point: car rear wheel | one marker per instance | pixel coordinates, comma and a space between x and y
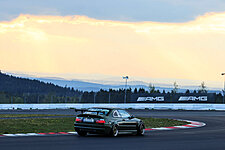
82, 133
141, 129
114, 131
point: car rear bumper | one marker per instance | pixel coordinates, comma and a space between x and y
103, 129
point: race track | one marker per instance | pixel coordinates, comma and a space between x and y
212, 136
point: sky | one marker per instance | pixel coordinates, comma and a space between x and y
164, 39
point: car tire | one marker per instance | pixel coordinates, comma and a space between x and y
141, 129
82, 133
114, 131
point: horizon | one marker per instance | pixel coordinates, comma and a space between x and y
116, 80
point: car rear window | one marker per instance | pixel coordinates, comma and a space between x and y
124, 114
94, 111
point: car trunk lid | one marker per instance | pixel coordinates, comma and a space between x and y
90, 118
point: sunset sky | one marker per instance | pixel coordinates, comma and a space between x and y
179, 40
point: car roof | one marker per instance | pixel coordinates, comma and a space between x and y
110, 108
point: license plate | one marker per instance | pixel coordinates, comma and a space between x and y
88, 120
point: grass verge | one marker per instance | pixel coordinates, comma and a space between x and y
45, 125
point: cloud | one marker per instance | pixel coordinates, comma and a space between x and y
79, 44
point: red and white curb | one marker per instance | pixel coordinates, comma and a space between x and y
38, 134
192, 124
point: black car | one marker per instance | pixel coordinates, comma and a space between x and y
108, 121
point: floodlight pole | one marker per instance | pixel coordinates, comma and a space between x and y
95, 97
125, 96
223, 74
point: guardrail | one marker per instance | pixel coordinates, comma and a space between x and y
155, 106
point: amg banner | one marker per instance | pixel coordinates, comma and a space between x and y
193, 98
174, 98
151, 99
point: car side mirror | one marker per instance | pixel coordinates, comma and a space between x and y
131, 117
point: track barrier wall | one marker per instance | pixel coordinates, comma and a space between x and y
156, 106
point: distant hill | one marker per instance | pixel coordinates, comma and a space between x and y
90, 86
19, 86
96, 85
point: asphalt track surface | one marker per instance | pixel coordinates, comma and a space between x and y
210, 137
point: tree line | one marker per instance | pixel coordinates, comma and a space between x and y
21, 90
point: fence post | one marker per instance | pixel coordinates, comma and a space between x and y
109, 98
38, 99
51, 99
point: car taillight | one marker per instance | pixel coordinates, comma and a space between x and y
78, 119
100, 121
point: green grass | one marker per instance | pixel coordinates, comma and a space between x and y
28, 115
39, 125
36, 125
